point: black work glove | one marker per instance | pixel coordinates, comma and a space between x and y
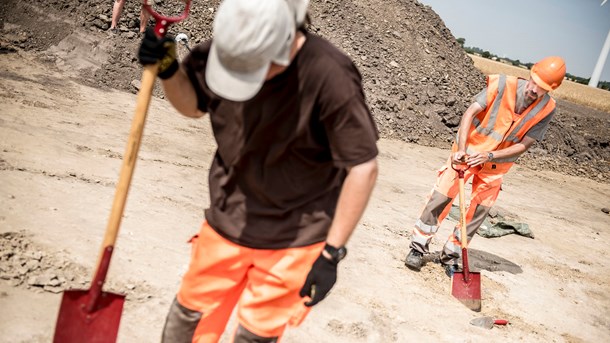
320, 280
163, 50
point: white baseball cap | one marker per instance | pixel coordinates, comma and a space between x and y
247, 36
299, 9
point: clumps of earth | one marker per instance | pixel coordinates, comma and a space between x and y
24, 264
417, 78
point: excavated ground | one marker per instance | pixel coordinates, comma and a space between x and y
417, 78
63, 126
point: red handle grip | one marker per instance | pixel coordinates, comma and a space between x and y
500, 321
162, 22
460, 169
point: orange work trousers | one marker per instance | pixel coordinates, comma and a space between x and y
486, 183
263, 283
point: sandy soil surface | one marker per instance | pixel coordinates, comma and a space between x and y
61, 148
66, 104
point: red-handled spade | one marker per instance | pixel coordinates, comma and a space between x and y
465, 285
93, 316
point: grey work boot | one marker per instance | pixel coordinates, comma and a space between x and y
414, 260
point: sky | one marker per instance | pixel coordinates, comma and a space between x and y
529, 30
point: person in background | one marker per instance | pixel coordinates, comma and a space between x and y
117, 10
294, 168
506, 118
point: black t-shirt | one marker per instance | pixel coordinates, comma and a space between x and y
282, 155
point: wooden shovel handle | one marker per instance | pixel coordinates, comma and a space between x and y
130, 157
463, 234
460, 168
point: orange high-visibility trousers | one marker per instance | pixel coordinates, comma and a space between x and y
486, 183
263, 283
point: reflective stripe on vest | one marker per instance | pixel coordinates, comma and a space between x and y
513, 136
493, 113
498, 126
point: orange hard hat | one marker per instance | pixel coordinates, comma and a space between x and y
549, 72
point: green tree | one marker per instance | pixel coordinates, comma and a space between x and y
461, 41
486, 54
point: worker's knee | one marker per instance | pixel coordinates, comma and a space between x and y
180, 324
242, 335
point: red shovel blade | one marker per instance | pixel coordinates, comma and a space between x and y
75, 324
466, 285
467, 289
90, 316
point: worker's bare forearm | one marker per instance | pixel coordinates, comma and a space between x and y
459, 156
465, 124
181, 94
462, 137
353, 199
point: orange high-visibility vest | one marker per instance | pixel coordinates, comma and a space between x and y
498, 126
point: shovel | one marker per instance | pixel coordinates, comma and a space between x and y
465, 285
488, 322
93, 316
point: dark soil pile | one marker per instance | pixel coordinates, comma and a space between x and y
417, 78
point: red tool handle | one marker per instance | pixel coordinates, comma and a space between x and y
460, 168
163, 22
500, 321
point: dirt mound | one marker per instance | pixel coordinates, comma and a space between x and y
24, 264
417, 78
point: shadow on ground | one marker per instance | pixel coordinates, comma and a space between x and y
481, 260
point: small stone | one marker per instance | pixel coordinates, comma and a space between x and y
606, 210
54, 282
53, 289
37, 255
136, 84
22, 270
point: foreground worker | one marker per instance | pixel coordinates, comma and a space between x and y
505, 119
293, 172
